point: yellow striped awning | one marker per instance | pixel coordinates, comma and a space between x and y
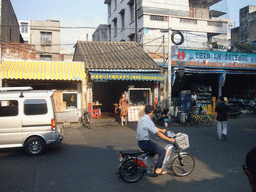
42, 70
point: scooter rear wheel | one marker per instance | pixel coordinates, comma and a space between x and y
130, 172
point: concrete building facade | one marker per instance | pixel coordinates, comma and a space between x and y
245, 33
9, 29
101, 33
45, 35
199, 24
25, 30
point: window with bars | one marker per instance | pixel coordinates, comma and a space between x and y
190, 21
70, 99
24, 27
46, 38
131, 5
45, 57
115, 27
115, 4
158, 18
109, 9
122, 18
214, 23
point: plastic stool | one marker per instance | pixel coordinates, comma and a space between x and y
96, 113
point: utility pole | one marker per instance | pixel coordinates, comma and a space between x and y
169, 85
136, 24
163, 52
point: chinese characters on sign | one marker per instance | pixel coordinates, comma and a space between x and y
215, 56
89, 97
133, 114
112, 76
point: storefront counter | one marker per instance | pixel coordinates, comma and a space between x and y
135, 113
71, 116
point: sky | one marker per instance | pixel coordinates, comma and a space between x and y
87, 13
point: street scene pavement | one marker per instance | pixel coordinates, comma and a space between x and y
88, 160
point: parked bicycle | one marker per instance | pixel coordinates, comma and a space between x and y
85, 118
178, 117
196, 119
134, 163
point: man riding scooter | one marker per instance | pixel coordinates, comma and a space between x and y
146, 125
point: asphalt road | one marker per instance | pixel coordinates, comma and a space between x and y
88, 160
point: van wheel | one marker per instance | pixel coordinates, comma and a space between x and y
34, 146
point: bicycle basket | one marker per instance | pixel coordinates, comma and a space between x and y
182, 140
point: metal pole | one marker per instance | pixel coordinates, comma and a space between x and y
163, 52
169, 93
135, 21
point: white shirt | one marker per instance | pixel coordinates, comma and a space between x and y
194, 97
145, 125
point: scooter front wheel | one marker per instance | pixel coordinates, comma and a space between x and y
130, 172
183, 165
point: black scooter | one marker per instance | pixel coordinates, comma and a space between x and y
161, 116
235, 111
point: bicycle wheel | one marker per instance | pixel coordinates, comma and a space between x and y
192, 120
249, 111
184, 165
207, 121
87, 120
130, 172
184, 124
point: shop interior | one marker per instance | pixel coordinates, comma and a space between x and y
108, 93
196, 82
239, 86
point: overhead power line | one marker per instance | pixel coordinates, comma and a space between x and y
28, 50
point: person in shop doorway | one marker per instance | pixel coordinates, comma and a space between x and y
123, 109
221, 117
193, 101
250, 168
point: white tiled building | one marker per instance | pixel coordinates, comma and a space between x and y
199, 23
25, 30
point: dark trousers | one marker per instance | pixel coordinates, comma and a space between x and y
152, 149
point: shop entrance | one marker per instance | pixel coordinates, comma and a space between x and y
108, 93
239, 86
195, 82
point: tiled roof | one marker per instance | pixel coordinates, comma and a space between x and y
113, 55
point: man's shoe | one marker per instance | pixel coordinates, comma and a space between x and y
224, 137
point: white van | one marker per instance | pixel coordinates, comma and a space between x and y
27, 119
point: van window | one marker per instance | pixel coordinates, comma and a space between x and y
35, 107
8, 108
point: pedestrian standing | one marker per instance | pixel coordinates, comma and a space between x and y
123, 109
193, 101
221, 117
